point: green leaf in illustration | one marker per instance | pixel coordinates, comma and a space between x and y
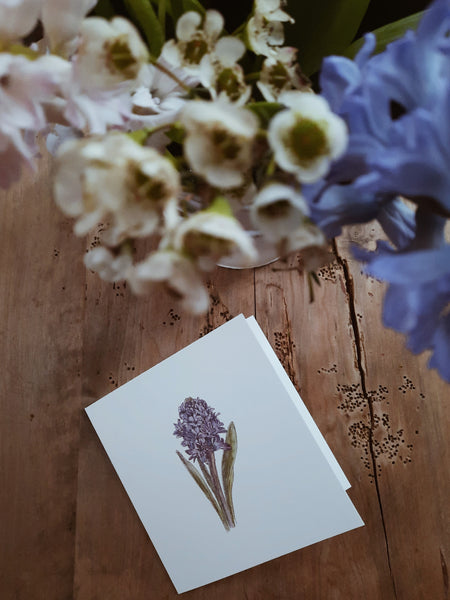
322, 28
387, 34
142, 14
203, 486
228, 460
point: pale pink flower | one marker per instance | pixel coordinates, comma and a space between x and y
25, 86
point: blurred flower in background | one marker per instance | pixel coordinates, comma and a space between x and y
167, 124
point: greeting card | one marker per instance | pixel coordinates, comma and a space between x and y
221, 459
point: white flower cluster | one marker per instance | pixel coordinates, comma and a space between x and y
160, 147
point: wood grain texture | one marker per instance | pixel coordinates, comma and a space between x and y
41, 311
67, 527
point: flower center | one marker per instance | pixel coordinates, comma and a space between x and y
278, 76
120, 56
148, 191
226, 143
307, 140
198, 244
195, 50
228, 82
275, 210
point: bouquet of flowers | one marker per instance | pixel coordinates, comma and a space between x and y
166, 125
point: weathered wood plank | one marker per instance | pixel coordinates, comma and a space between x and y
384, 414
316, 345
40, 321
124, 336
407, 415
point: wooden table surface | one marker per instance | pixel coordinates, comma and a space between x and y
67, 528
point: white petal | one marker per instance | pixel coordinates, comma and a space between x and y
17, 19
278, 226
229, 50
338, 134
108, 266
171, 53
307, 235
310, 105
62, 20
187, 25
213, 24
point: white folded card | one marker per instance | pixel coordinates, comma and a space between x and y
221, 459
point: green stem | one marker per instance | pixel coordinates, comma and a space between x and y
169, 73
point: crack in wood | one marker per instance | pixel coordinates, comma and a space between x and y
216, 309
285, 348
350, 293
444, 573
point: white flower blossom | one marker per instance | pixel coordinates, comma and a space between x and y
278, 210
196, 37
157, 98
62, 20
265, 31
306, 136
221, 74
308, 236
114, 179
272, 11
177, 272
110, 53
25, 84
92, 111
280, 73
209, 236
110, 267
219, 141
18, 18
97, 96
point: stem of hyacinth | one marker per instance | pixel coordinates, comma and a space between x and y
212, 486
217, 488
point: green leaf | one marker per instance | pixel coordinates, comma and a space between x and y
139, 136
193, 5
220, 206
144, 17
228, 460
176, 133
202, 485
105, 9
20, 50
162, 14
322, 28
181, 6
264, 110
387, 34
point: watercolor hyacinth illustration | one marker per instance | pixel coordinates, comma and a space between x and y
199, 428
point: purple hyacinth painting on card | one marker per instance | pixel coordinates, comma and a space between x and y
200, 430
